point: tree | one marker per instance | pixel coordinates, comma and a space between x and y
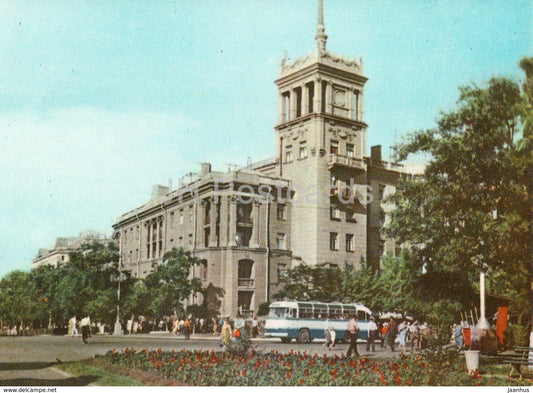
18, 305
169, 282
471, 210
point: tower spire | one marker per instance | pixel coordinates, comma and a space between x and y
321, 36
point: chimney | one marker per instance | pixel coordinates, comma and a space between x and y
375, 153
206, 169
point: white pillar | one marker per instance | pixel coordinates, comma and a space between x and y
482, 323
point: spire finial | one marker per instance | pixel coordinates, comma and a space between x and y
321, 36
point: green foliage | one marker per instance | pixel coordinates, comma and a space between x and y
518, 335
169, 282
471, 209
263, 309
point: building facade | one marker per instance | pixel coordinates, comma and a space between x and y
236, 223
319, 200
59, 255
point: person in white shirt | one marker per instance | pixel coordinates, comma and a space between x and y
372, 334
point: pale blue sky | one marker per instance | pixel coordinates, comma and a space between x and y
99, 100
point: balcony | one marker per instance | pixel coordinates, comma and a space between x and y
345, 161
246, 282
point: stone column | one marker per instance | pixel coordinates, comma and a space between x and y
360, 110
293, 105
232, 221
317, 99
213, 241
305, 100
200, 225
281, 108
351, 93
223, 221
329, 108
254, 239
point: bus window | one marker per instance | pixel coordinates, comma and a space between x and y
321, 313
306, 313
277, 313
290, 313
362, 316
335, 312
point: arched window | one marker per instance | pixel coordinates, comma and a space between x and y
246, 273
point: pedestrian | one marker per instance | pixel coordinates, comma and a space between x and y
414, 336
353, 328
202, 325
187, 329
459, 338
225, 335
175, 326
328, 334
255, 327
73, 331
402, 334
372, 334
392, 331
383, 334
215, 326
332, 336
85, 325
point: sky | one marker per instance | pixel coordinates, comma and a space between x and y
100, 100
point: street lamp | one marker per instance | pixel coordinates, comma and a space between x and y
118, 327
482, 323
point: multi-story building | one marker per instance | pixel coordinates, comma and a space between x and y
59, 255
237, 223
327, 202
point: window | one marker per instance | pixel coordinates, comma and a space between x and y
350, 216
334, 147
180, 241
349, 242
282, 271
282, 215
280, 241
333, 241
190, 239
171, 219
303, 150
381, 192
334, 212
191, 213
181, 217
350, 150
288, 154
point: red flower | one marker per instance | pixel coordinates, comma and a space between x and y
306, 372
288, 375
408, 382
301, 381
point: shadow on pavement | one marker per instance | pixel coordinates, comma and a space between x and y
74, 381
25, 366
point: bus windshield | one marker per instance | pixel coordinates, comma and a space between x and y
281, 312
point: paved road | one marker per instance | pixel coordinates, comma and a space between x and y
28, 361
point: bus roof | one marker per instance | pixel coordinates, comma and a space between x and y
313, 304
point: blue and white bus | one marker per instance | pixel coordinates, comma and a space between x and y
305, 321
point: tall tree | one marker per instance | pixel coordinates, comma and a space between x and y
471, 210
170, 282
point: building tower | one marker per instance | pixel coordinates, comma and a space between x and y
320, 139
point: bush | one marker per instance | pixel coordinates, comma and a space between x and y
517, 335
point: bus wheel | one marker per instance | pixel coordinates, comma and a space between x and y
304, 336
286, 340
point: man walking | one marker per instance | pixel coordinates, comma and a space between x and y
85, 325
353, 328
372, 334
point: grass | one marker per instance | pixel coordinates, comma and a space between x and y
113, 375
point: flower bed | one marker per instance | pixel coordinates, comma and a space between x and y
210, 368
